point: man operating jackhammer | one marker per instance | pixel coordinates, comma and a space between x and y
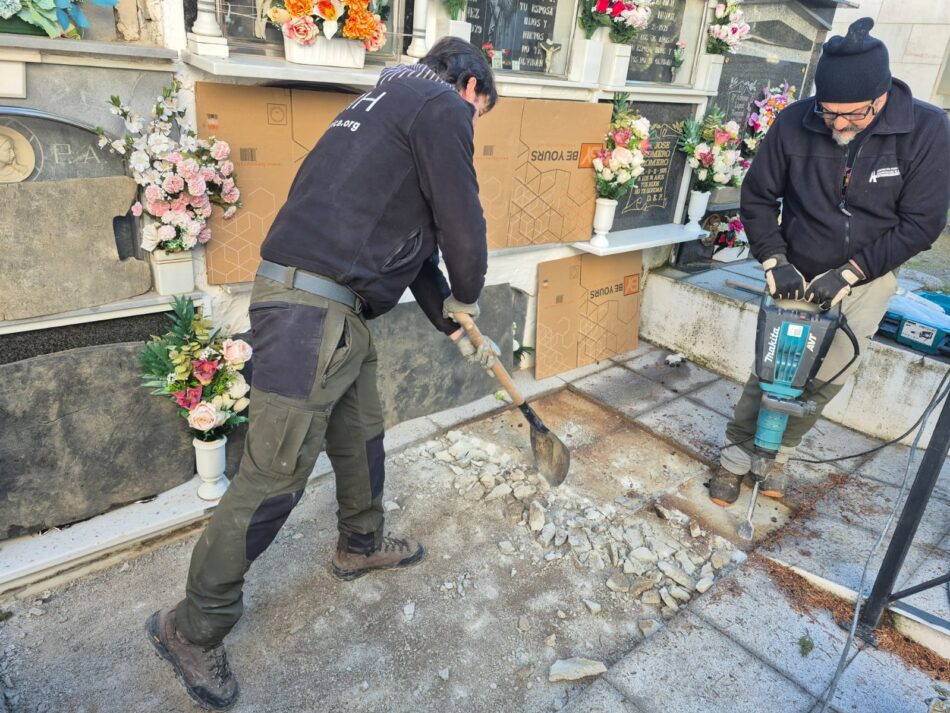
390, 183
860, 174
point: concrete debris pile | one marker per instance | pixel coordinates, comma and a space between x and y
662, 558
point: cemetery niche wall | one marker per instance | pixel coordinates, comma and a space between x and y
525, 35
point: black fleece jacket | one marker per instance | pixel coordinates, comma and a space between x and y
389, 184
895, 204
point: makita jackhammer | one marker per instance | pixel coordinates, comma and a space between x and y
791, 342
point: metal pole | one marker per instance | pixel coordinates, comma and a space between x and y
913, 511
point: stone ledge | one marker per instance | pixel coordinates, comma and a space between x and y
114, 50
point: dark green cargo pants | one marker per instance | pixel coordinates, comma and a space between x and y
314, 386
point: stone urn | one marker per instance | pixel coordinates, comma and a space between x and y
604, 211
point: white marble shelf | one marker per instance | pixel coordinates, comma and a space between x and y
62, 46
623, 241
277, 68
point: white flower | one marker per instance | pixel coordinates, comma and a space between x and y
623, 156
607, 174
103, 141
150, 238
720, 178
139, 161
188, 144
133, 124
238, 387
702, 173
118, 146
614, 164
642, 126
637, 172
598, 164
159, 144
623, 176
693, 162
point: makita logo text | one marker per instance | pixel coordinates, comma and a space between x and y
812, 342
773, 343
885, 173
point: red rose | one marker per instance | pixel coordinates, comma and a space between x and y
617, 8
205, 370
602, 6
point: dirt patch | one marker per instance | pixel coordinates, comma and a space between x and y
805, 597
803, 499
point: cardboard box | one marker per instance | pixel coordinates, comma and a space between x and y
533, 159
588, 310
270, 132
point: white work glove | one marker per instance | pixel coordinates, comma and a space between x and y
484, 355
451, 306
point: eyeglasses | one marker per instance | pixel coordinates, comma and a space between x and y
846, 115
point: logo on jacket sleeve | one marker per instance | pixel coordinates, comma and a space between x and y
885, 173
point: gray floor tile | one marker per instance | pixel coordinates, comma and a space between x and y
715, 281
599, 697
583, 371
678, 379
624, 390
689, 666
935, 601
747, 268
888, 466
721, 396
695, 428
644, 348
751, 609
831, 440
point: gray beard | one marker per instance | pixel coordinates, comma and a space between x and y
842, 140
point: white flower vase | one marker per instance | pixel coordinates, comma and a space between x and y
711, 72
698, 200
338, 52
210, 461
455, 28
615, 64
586, 56
604, 211
172, 273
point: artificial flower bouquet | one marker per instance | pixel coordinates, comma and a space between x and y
679, 54
730, 234
727, 29
198, 370
56, 18
179, 179
625, 18
619, 163
771, 101
712, 150
304, 21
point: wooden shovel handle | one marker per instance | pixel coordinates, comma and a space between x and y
466, 322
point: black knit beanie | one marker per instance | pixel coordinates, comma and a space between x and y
853, 68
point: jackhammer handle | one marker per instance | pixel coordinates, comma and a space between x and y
468, 324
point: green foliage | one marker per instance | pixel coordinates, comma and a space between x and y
455, 8
805, 644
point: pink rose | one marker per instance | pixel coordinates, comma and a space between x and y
204, 236
180, 204
227, 184
193, 228
167, 232
189, 398
173, 184
203, 417
136, 209
236, 352
188, 169
205, 370
226, 168
197, 186
189, 241
220, 151
205, 211
231, 196
157, 209
153, 193
207, 173
302, 30
229, 213
174, 157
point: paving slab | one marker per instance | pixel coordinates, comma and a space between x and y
748, 268
532, 388
888, 466
831, 440
878, 682
693, 499
643, 349
679, 379
467, 412
826, 547
752, 610
689, 666
624, 390
721, 396
868, 504
406, 433
580, 372
936, 600
696, 428
600, 697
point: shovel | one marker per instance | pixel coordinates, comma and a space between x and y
550, 455
747, 529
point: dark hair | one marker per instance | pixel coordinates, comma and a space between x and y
456, 61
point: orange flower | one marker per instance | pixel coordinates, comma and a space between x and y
358, 4
360, 24
299, 8
327, 10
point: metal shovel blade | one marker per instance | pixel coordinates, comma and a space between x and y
551, 456
746, 529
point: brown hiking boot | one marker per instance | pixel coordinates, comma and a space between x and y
724, 487
203, 671
392, 552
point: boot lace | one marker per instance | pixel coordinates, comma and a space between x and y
218, 660
394, 544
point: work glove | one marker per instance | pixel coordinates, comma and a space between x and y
784, 281
484, 355
829, 288
452, 305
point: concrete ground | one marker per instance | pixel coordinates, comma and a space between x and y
626, 564
931, 268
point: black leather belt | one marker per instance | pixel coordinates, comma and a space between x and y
310, 282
